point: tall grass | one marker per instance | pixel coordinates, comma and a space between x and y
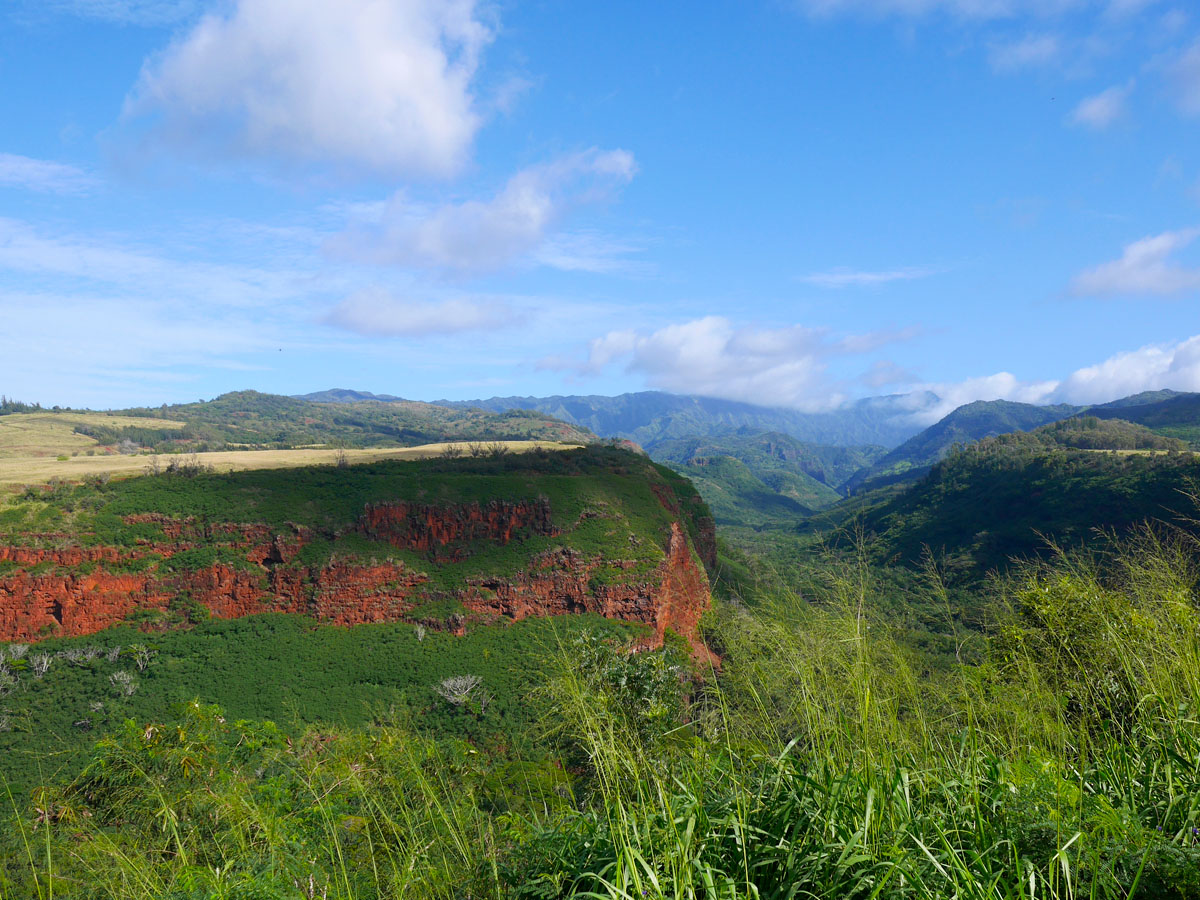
829, 759
1056, 757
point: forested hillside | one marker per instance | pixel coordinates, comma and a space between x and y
650, 417
766, 478
1016, 494
252, 419
972, 422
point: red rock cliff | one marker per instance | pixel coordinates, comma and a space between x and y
62, 602
430, 529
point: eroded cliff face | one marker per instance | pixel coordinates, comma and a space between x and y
438, 529
73, 590
674, 596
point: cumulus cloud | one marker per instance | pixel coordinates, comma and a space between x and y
43, 175
1031, 50
377, 312
384, 84
1158, 366
841, 277
478, 235
1145, 268
786, 366
1103, 109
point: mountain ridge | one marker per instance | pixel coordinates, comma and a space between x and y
648, 417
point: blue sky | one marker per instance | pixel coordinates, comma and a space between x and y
795, 203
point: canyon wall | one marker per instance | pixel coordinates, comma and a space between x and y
73, 590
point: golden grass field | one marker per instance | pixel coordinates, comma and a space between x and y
31, 444
53, 434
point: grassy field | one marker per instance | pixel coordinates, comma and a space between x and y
41, 434
39, 467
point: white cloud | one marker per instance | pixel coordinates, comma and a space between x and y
376, 312
478, 235
884, 372
1000, 386
141, 272
1150, 368
1185, 76
841, 277
965, 9
1031, 50
1145, 268
587, 251
43, 175
786, 366
1103, 109
1158, 366
384, 84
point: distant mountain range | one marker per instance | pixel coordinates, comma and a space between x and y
1170, 413
651, 417
765, 467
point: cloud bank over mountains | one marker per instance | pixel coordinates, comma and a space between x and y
793, 367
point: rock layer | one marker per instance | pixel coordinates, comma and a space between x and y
433, 529
73, 590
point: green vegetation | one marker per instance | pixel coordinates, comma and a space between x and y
606, 503
8, 406
1057, 756
1091, 433
1015, 494
737, 496
766, 479
886, 722
251, 419
1173, 415
281, 667
968, 423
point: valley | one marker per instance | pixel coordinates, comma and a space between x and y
477, 649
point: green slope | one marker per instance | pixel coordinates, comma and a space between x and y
610, 506
284, 668
968, 423
1008, 496
764, 478
737, 496
1177, 415
270, 421
605, 503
